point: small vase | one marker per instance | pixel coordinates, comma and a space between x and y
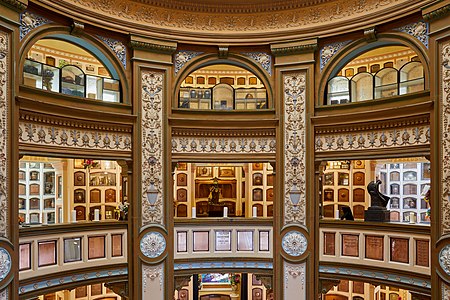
234, 287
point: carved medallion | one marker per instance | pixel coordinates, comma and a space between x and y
294, 243
153, 244
5, 263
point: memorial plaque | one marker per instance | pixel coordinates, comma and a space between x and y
374, 247
343, 286
264, 241
350, 245
223, 240
201, 241
400, 250
422, 253
182, 241
329, 240
245, 241
358, 287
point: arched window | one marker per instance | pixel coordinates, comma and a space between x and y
62, 67
226, 89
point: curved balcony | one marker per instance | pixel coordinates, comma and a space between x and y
387, 252
56, 255
228, 244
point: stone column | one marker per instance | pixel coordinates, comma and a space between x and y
9, 157
152, 268
294, 271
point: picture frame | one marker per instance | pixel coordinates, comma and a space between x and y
204, 171
50, 60
102, 71
90, 69
226, 172
182, 166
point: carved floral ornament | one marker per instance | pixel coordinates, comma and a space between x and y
153, 244
294, 243
328, 51
445, 139
183, 57
117, 47
5, 263
444, 259
294, 271
152, 146
263, 59
152, 273
243, 22
225, 145
294, 147
4, 124
418, 30
30, 21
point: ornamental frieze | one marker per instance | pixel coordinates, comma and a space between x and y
445, 139
4, 128
302, 17
152, 85
294, 87
416, 135
38, 134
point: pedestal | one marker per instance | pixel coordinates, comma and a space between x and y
377, 214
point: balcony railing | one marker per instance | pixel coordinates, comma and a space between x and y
47, 250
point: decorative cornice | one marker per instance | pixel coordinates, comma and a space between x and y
293, 48
64, 122
17, 5
388, 124
153, 47
437, 14
269, 132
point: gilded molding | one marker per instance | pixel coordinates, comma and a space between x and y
267, 21
153, 47
445, 139
418, 30
38, 134
437, 14
291, 50
294, 87
30, 21
17, 5
373, 139
64, 122
152, 91
4, 131
152, 273
117, 47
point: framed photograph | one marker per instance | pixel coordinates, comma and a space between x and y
359, 164
90, 69
49, 60
182, 166
201, 241
204, 171
181, 241
226, 171
223, 240
217, 278
101, 71
46, 253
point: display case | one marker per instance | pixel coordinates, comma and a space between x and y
223, 97
72, 81
386, 83
338, 91
362, 87
111, 90
195, 98
250, 99
412, 78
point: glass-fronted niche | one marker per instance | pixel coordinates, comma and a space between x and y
222, 87
215, 190
406, 181
84, 292
380, 73
226, 286
59, 190
359, 290
61, 67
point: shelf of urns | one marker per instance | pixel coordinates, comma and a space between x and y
37, 203
345, 184
404, 183
96, 186
238, 183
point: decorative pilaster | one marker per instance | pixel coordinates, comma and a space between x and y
445, 139
4, 131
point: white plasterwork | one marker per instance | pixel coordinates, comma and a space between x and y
153, 282
68, 137
294, 281
294, 147
4, 294
152, 85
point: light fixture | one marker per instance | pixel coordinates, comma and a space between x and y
294, 194
152, 194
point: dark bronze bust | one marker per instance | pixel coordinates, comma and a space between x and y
377, 198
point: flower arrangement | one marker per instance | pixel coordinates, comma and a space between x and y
123, 207
235, 279
21, 220
90, 163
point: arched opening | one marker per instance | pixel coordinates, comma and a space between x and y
378, 73
222, 87
60, 66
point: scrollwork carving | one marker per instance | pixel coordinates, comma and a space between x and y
152, 273
418, 30
152, 145
4, 129
294, 146
328, 51
182, 58
263, 59
117, 47
30, 21
445, 139
294, 271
